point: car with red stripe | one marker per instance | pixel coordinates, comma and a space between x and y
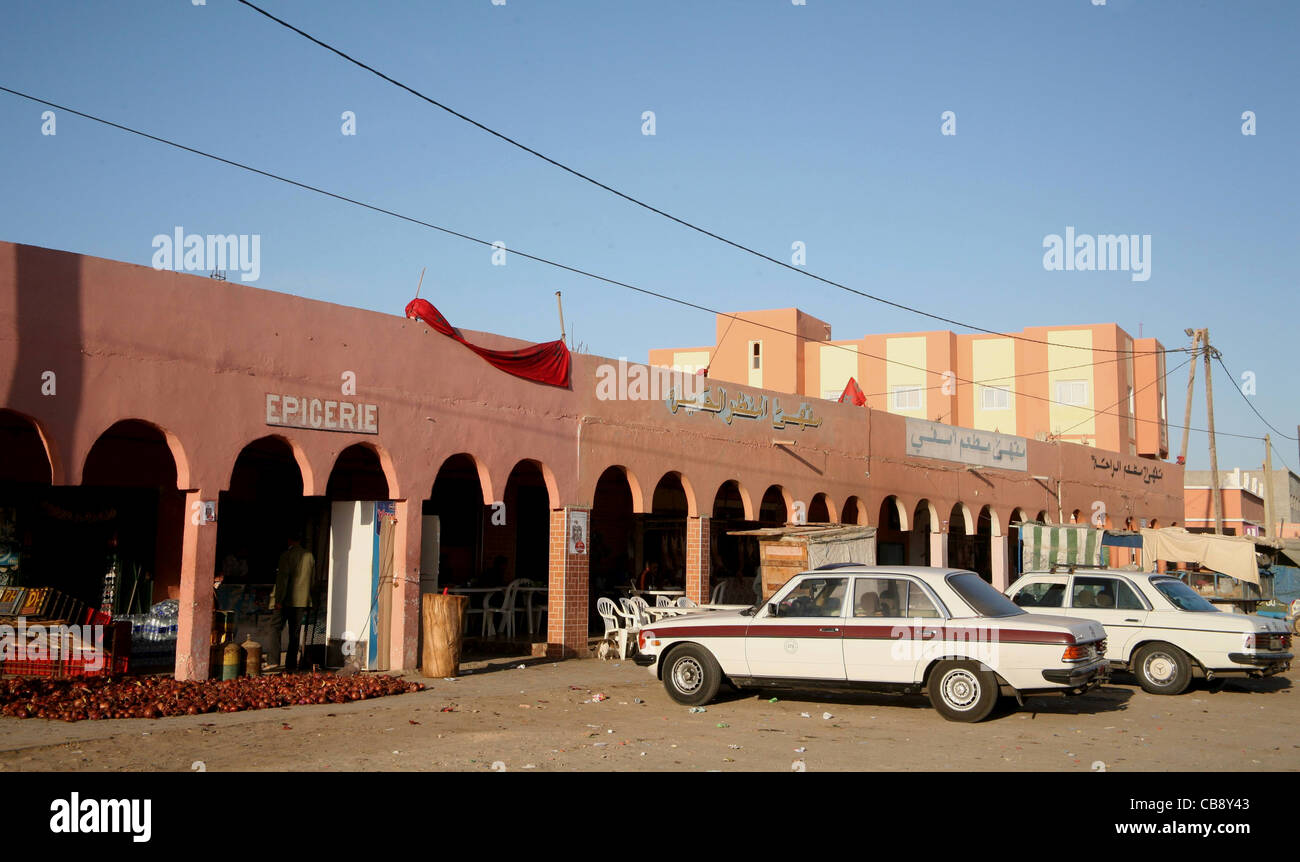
1157, 627
907, 629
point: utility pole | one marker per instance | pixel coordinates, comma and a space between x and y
1214, 455
1268, 487
1191, 381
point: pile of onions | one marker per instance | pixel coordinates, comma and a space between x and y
155, 697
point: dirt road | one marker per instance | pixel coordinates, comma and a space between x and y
542, 718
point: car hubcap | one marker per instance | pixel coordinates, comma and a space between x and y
960, 689
687, 675
1161, 668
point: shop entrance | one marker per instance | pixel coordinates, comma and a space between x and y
734, 560
891, 536
358, 602
614, 549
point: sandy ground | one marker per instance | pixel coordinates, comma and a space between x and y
539, 719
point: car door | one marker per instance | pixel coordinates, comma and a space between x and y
890, 628
804, 639
1112, 602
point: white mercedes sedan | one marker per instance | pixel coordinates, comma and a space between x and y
1158, 627
880, 628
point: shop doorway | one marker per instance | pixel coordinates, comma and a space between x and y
615, 552
260, 511
892, 537
358, 606
924, 524
819, 510
854, 512
452, 528
733, 557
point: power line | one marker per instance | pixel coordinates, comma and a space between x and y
489, 244
638, 202
1246, 398
526, 255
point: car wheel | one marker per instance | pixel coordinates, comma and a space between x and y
1161, 668
961, 691
692, 675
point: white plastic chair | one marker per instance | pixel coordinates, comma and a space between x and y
538, 607
684, 602
663, 601
471, 611
506, 611
526, 607
632, 615
642, 610
609, 615
715, 598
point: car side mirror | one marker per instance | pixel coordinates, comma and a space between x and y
773, 610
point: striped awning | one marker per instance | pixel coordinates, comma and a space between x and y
1045, 546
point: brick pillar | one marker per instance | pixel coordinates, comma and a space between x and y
939, 550
404, 626
198, 566
999, 562
699, 559
567, 600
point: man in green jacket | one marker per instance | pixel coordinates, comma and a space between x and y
292, 595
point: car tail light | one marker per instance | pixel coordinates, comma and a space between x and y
1082, 652
1268, 640
643, 636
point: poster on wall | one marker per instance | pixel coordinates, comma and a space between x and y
578, 532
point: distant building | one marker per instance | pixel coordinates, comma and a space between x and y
1243, 502
1069, 387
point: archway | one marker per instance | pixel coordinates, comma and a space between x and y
774, 510
454, 514
732, 556
662, 536
26, 474
819, 510
129, 508
924, 522
1016, 553
614, 550
854, 512
961, 538
892, 537
262, 507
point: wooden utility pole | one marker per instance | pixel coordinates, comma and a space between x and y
1268, 487
1191, 381
560, 305
1214, 455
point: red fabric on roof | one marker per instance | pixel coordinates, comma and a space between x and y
543, 363
853, 392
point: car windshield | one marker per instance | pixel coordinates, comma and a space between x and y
981, 596
1184, 597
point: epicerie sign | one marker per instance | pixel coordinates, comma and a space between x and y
321, 414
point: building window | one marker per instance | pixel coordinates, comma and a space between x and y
1132, 404
908, 397
995, 397
756, 355
1072, 393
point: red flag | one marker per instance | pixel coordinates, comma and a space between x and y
545, 363
853, 392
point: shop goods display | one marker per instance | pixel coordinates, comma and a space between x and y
157, 697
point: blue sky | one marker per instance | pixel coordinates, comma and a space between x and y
775, 123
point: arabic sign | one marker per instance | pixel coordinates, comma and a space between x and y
965, 446
1149, 472
714, 400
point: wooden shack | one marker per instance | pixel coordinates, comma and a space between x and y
787, 551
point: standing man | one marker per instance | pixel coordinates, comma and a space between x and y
292, 595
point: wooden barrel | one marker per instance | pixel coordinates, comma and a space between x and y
443, 618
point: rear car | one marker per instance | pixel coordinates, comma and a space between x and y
901, 629
1159, 628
